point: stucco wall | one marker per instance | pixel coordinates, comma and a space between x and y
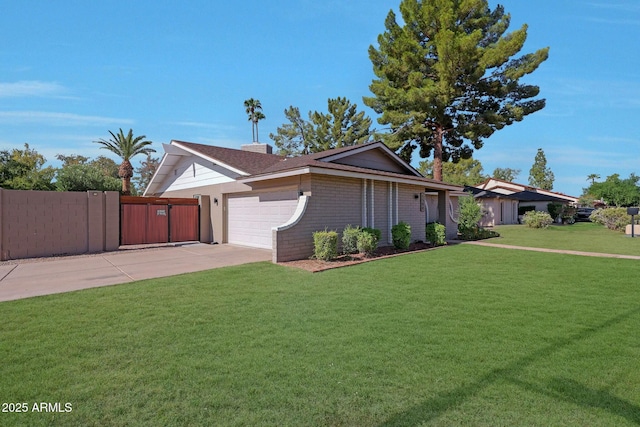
47, 223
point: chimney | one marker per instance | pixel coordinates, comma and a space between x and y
257, 147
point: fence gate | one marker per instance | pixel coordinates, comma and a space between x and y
158, 220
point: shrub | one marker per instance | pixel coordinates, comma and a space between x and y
477, 233
377, 233
350, 239
401, 235
367, 241
537, 219
554, 210
436, 234
325, 245
470, 213
612, 218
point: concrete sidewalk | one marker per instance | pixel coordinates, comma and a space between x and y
557, 251
28, 278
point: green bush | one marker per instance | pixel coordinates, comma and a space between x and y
350, 239
470, 213
377, 233
401, 235
537, 219
436, 234
367, 241
554, 210
325, 245
477, 233
612, 218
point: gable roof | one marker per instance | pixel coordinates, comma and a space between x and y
248, 166
247, 161
513, 187
479, 193
532, 196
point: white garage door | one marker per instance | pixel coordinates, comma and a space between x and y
250, 218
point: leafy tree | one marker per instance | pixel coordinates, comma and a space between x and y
540, 175
342, 126
107, 166
448, 76
253, 108
85, 177
24, 170
145, 172
506, 174
73, 159
126, 147
616, 191
592, 177
465, 172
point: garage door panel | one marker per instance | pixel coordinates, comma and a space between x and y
250, 218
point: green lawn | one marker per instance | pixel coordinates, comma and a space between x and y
462, 335
582, 236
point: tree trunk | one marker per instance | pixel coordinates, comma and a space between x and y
126, 186
437, 155
257, 137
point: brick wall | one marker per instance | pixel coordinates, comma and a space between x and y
335, 202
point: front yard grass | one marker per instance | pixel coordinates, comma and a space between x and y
462, 335
582, 236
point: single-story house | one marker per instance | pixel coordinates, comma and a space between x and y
505, 187
263, 200
497, 208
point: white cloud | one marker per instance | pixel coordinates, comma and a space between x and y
59, 119
30, 88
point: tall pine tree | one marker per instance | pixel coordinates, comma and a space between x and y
448, 76
540, 175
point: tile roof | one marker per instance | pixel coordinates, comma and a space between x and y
247, 161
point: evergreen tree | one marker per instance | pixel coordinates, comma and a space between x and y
540, 175
448, 76
342, 126
293, 138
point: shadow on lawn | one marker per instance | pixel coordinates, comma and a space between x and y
573, 392
567, 390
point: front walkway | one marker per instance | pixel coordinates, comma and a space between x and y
557, 251
33, 277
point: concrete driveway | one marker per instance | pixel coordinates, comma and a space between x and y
34, 277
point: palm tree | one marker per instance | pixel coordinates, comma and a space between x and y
126, 147
253, 108
593, 177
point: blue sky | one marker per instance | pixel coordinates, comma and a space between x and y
70, 71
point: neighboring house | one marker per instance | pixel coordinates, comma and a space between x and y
506, 187
539, 201
263, 200
497, 208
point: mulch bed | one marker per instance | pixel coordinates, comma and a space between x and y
316, 265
